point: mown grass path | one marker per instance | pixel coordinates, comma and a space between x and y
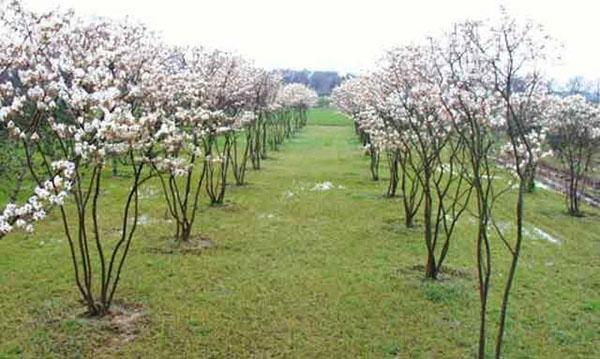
298, 271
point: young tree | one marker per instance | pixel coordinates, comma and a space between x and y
87, 117
266, 107
357, 97
513, 54
416, 114
575, 140
471, 107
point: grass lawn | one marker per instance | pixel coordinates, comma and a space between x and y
298, 272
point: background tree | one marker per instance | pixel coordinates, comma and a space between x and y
575, 140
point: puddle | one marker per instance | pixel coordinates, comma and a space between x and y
144, 220
541, 234
542, 185
530, 232
326, 186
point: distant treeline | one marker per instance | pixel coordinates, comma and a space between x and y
579, 85
321, 81
325, 81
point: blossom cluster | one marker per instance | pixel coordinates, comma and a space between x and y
49, 193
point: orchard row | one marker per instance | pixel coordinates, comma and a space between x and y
81, 97
451, 114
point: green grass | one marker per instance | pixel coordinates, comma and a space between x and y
328, 117
303, 273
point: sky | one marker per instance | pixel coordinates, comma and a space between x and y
346, 36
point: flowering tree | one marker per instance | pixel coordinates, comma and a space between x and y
253, 122
178, 153
13, 94
266, 106
513, 54
358, 97
401, 111
575, 139
535, 109
227, 89
438, 161
295, 100
472, 108
81, 85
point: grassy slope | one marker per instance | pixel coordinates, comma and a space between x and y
305, 273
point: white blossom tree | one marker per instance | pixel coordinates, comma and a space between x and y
574, 136
80, 84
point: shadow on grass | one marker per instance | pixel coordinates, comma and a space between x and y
196, 245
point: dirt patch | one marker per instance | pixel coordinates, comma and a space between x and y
126, 322
397, 225
446, 273
227, 207
71, 329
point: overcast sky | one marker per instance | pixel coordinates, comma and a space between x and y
343, 35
